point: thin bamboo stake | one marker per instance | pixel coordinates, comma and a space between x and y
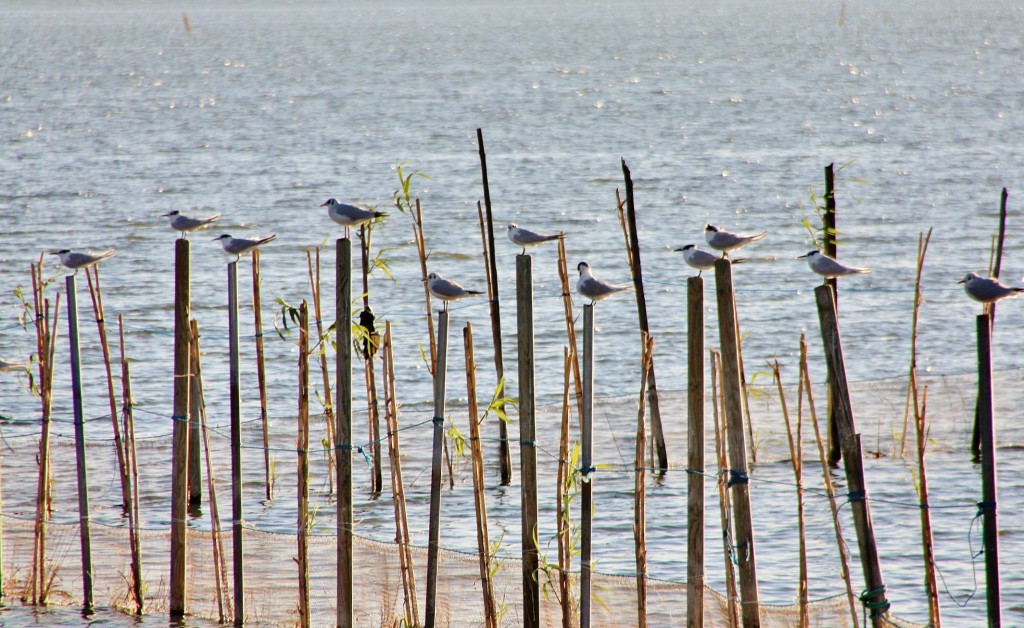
417, 232
302, 470
224, 610
434, 530
483, 542
261, 372
695, 454
930, 583
370, 343
128, 429
639, 486
179, 463
321, 345
97, 307
996, 263
796, 456
562, 522
586, 467
826, 476
195, 474
725, 504
922, 249
83, 481
397, 488
570, 324
504, 453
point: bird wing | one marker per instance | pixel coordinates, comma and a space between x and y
525, 236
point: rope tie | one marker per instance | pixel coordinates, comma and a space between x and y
877, 609
986, 507
528, 443
356, 448
585, 472
179, 417
857, 496
438, 421
737, 477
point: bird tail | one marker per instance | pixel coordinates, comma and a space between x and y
107, 254
213, 218
379, 215
758, 236
269, 238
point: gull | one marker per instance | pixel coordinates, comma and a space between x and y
696, 258
593, 288
349, 215
187, 224
447, 290
75, 261
7, 365
241, 246
525, 237
829, 268
725, 241
986, 289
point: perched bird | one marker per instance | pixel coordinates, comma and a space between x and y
241, 246
593, 288
696, 258
187, 224
829, 268
349, 215
447, 290
7, 366
724, 241
525, 237
986, 289
75, 261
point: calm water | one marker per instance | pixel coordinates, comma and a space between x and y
112, 114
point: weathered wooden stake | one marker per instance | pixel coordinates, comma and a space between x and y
235, 377
639, 487
874, 595
370, 345
302, 464
83, 481
195, 400
922, 249
570, 325
828, 219
128, 429
695, 454
179, 464
562, 522
321, 345
587, 467
483, 543
931, 585
261, 373
434, 530
527, 440
343, 430
421, 249
987, 438
796, 456
724, 503
653, 402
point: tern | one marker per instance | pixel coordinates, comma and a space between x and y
696, 258
349, 215
447, 290
187, 224
242, 246
525, 237
986, 289
828, 268
75, 261
724, 241
593, 288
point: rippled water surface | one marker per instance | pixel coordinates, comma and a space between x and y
113, 113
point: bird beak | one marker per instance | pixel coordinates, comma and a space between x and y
165, 215
962, 281
678, 249
802, 256
324, 204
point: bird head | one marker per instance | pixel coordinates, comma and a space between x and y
809, 254
583, 267
433, 276
512, 226
969, 277
710, 227
60, 251
223, 237
329, 202
170, 213
687, 247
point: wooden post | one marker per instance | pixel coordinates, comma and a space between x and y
639, 487
527, 438
434, 530
302, 470
587, 467
483, 543
343, 430
570, 325
504, 454
83, 481
724, 503
931, 585
987, 434
695, 454
261, 372
738, 479
641, 305
874, 595
237, 529
321, 344
179, 465
828, 219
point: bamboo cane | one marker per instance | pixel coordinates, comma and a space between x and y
321, 344
922, 249
302, 468
261, 372
369, 349
795, 454
562, 521
724, 503
128, 429
640, 476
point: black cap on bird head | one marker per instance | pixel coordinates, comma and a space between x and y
329, 201
710, 227
579, 267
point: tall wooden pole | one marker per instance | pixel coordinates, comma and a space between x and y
657, 433
504, 453
695, 454
987, 433
343, 430
434, 529
83, 481
261, 372
873, 597
587, 467
179, 463
302, 470
235, 379
195, 400
829, 240
527, 444
738, 478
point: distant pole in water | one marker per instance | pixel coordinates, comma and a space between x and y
83, 483
237, 530
987, 437
179, 466
587, 467
343, 429
527, 440
434, 529
695, 454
